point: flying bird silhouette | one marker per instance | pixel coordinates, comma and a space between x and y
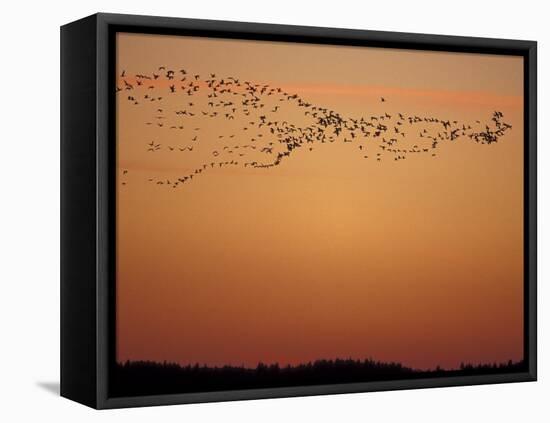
269, 137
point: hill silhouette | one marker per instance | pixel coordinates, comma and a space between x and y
135, 378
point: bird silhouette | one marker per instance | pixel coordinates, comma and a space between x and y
268, 139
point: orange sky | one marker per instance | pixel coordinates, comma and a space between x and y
328, 254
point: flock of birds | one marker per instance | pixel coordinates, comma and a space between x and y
275, 123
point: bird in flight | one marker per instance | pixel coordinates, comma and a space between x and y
271, 130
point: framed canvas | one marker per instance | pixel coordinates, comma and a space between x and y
257, 211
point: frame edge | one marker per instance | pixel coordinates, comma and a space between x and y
107, 20
78, 212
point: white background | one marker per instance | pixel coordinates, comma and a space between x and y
29, 212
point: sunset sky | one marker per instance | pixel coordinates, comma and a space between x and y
329, 254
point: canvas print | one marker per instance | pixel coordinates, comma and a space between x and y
292, 214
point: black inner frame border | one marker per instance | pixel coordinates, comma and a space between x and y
529, 177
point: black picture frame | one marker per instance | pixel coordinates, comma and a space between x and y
88, 196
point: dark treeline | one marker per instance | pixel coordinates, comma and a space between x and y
152, 378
